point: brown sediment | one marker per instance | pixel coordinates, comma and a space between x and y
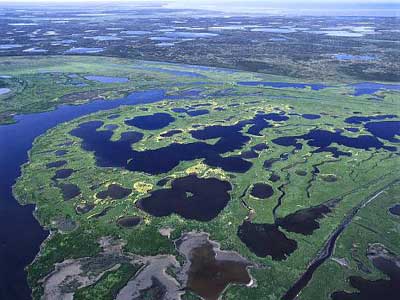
69, 273
329, 177
72, 274
154, 269
208, 271
341, 261
166, 231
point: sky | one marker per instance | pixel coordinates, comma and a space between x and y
328, 7
221, 2
342, 4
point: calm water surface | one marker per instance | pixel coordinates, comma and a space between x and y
21, 235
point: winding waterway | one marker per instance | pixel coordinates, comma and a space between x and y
21, 234
328, 247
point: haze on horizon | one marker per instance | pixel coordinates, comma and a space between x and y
219, 3
327, 7
295, 6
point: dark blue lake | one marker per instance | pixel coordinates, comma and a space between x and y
311, 116
387, 130
107, 79
193, 198
119, 153
151, 122
323, 139
21, 235
363, 119
369, 88
344, 56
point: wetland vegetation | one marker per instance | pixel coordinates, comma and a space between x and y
199, 155
259, 174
